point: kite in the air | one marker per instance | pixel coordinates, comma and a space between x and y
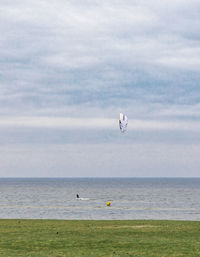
123, 122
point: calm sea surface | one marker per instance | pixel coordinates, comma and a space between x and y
131, 198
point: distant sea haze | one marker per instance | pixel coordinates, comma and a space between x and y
131, 198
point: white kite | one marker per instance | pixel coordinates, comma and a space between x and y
123, 122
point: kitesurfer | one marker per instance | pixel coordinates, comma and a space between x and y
77, 196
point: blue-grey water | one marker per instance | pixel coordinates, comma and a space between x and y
131, 198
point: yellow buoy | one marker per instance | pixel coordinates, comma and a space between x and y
108, 203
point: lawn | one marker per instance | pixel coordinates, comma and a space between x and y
79, 238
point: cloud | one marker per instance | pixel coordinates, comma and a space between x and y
68, 53
68, 68
98, 123
135, 160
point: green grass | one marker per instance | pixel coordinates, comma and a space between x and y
80, 238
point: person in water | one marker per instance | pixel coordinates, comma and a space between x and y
77, 196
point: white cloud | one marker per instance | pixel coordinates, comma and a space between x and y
98, 123
135, 160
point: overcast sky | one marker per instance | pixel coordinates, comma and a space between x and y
67, 68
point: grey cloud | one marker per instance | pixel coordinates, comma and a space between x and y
64, 54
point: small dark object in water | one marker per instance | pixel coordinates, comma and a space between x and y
77, 196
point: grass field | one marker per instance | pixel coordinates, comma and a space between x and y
99, 238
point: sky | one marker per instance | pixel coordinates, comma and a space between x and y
67, 68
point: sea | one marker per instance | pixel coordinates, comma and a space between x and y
131, 198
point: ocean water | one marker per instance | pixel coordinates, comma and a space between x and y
131, 198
